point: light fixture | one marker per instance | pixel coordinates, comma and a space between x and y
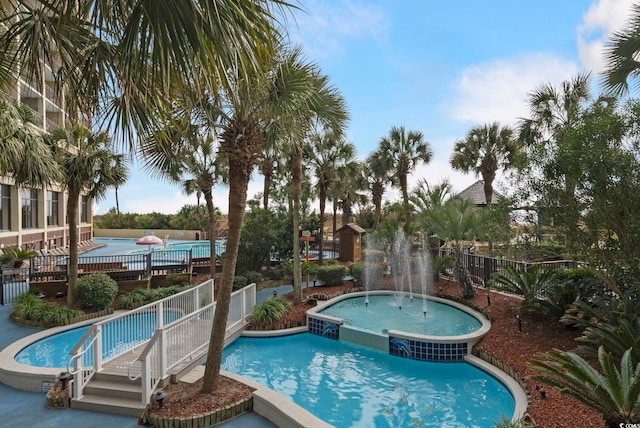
159, 397
64, 378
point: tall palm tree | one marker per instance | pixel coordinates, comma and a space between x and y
613, 393
378, 176
426, 199
189, 187
404, 150
350, 189
24, 156
485, 150
325, 154
286, 94
185, 150
621, 55
90, 166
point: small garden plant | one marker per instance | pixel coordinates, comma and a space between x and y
97, 291
30, 307
271, 310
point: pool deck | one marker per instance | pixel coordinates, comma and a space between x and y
28, 409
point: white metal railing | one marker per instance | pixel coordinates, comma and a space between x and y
186, 339
116, 335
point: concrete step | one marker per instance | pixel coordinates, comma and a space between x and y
119, 406
114, 389
104, 376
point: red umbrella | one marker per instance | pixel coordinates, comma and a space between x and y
149, 240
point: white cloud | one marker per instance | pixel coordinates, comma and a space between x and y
322, 25
603, 18
498, 90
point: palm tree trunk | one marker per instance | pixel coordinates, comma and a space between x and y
296, 191
377, 192
405, 205
323, 201
72, 268
213, 232
117, 201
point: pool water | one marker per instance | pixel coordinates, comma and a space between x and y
348, 385
383, 313
53, 351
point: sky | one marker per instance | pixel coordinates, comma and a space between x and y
439, 67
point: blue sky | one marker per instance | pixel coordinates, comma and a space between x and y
431, 66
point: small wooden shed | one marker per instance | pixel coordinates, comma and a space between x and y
350, 242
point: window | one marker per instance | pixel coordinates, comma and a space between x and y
29, 208
5, 207
53, 199
84, 212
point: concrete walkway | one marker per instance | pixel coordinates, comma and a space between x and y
28, 409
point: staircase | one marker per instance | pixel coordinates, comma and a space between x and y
111, 393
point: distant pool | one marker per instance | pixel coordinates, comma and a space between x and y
348, 385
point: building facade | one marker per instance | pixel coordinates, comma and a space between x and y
35, 218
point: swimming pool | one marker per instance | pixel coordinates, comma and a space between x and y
348, 385
53, 351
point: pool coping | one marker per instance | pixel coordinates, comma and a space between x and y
32, 378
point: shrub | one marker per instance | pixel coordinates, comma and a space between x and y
331, 262
97, 291
178, 279
277, 272
309, 268
253, 277
162, 292
358, 271
31, 308
239, 282
136, 297
331, 275
270, 310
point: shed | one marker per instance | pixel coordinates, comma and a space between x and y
350, 242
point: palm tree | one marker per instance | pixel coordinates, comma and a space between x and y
621, 55
23, 154
186, 147
349, 189
89, 166
284, 95
403, 151
426, 199
325, 154
117, 59
613, 393
457, 222
485, 150
378, 175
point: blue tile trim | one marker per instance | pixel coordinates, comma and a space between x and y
323, 328
427, 351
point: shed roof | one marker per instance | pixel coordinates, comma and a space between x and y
475, 194
354, 227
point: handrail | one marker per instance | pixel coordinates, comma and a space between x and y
156, 358
75, 355
139, 326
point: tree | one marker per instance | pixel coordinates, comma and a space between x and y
379, 174
184, 150
24, 156
89, 166
426, 199
403, 151
485, 150
455, 223
286, 95
117, 59
326, 154
621, 55
613, 393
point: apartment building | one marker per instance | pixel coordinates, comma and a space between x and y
35, 218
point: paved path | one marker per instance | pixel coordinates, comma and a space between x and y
28, 409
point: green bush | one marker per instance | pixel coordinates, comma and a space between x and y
270, 310
373, 256
178, 279
31, 308
253, 277
331, 275
277, 272
136, 297
357, 270
239, 282
331, 262
97, 291
163, 292
309, 268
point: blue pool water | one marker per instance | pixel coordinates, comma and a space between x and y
53, 351
348, 385
382, 313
